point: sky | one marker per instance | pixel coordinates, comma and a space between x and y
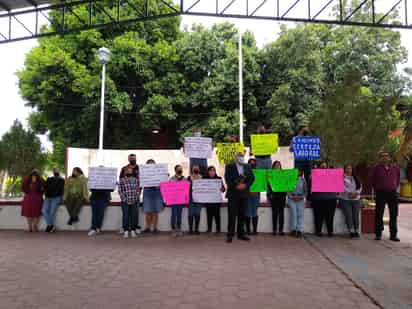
12, 57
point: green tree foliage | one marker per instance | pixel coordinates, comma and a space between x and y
21, 151
353, 124
162, 77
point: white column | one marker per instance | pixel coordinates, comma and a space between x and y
101, 132
240, 88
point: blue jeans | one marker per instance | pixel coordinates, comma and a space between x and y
253, 202
176, 219
297, 211
130, 216
50, 206
195, 209
350, 210
98, 210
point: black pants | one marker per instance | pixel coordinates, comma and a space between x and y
278, 214
324, 210
236, 212
383, 198
213, 212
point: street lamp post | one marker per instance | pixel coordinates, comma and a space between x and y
104, 56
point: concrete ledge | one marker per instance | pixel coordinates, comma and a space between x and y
10, 218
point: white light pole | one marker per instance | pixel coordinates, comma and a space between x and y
104, 56
240, 89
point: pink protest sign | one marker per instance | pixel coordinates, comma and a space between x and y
327, 180
175, 192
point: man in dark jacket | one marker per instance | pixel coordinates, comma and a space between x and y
239, 178
54, 190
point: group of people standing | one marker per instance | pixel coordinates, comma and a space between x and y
242, 204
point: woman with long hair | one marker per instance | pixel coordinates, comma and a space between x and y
33, 188
75, 194
350, 201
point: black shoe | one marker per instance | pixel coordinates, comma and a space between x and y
146, 231
299, 234
281, 233
48, 228
70, 222
357, 235
191, 233
274, 233
53, 229
394, 238
378, 237
319, 234
229, 240
245, 238
330, 235
352, 235
197, 233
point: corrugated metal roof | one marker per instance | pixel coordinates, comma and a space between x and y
6, 5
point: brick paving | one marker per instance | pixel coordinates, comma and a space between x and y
69, 270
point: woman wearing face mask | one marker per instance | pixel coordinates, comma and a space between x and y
176, 219
324, 206
33, 188
253, 202
350, 201
152, 205
194, 208
75, 194
278, 202
213, 210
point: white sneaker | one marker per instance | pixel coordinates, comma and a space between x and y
126, 234
138, 231
121, 231
92, 233
133, 234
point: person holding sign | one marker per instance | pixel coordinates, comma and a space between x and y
75, 194
350, 201
176, 219
277, 202
133, 165
324, 207
263, 161
296, 202
385, 179
129, 191
253, 202
194, 208
213, 210
239, 178
152, 205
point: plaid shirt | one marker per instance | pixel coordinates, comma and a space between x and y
129, 190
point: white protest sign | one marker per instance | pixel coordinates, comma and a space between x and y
198, 147
102, 178
151, 175
207, 191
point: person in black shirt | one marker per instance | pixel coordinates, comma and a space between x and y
54, 190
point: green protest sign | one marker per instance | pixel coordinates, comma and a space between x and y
264, 144
283, 180
260, 184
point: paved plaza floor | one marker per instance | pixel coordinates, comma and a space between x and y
70, 270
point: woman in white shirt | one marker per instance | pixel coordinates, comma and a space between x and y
350, 201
